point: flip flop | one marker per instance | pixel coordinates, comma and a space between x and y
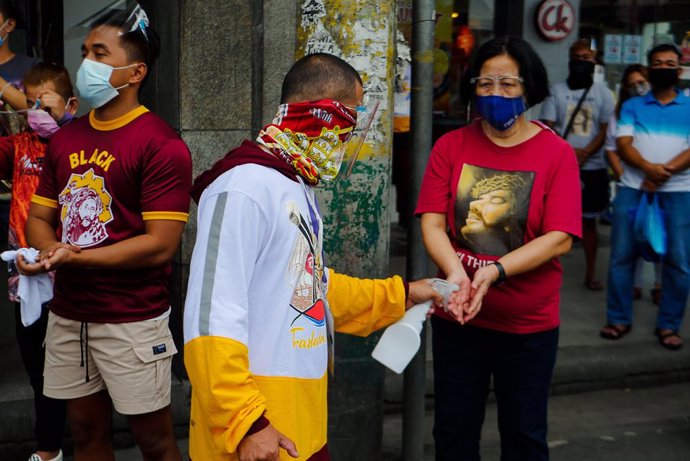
611, 331
594, 285
664, 335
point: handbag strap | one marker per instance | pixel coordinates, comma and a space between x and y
569, 126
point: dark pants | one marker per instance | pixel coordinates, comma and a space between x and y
465, 358
50, 413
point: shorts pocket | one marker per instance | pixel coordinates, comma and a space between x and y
155, 357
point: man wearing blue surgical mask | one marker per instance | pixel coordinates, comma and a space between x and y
108, 215
579, 110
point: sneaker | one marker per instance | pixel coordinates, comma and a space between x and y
35, 457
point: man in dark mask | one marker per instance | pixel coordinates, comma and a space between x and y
579, 110
653, 138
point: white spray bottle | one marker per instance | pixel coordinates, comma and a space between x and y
401, 341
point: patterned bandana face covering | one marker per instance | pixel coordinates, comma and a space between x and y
310, 136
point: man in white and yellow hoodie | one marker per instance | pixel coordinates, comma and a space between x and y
261, 306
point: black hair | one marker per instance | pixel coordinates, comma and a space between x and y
45, 71
141, 45
660, 49
318, 76
530, 67
8, 10
624, 91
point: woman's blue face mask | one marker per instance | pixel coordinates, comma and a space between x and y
501, 112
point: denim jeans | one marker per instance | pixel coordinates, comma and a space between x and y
465, 358
675, 268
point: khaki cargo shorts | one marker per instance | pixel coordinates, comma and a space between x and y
129, 360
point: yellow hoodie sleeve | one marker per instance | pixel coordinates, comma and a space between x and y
361, 306
225, 399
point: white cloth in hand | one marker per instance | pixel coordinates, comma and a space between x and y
33, 290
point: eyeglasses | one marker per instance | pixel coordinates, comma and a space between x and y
486, 84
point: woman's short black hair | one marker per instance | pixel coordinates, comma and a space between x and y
530, 65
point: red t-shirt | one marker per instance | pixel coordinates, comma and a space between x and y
495, 200
106, 179
21, 160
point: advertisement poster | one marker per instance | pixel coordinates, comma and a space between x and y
613, 44
632, 49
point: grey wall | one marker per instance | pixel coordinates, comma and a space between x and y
554, 54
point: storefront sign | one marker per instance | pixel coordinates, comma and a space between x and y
632, 49
554, 19
613, 48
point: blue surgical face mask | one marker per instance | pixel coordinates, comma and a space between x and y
499, 111
93, 82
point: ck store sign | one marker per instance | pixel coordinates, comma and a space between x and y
554, 19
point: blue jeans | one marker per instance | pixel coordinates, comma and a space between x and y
465, 358
675, 268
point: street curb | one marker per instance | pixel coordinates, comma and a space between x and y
582, 369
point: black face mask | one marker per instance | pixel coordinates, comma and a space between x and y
663, 77
580, 75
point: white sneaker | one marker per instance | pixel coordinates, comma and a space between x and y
35, 457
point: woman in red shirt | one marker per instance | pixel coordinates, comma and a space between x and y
500, 202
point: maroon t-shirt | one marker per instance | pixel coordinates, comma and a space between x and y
495, 200
106, 179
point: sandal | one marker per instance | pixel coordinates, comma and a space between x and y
594, 285
656, 295
611, 331
665, 335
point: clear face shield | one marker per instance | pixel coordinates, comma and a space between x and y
127, 15
355, 140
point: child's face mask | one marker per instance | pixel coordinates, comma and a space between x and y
42, 123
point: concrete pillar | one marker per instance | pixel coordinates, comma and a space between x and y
356, 210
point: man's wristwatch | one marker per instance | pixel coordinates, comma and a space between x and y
501, 274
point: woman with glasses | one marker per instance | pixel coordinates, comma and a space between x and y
500, 202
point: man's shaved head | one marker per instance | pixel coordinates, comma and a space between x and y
320, 76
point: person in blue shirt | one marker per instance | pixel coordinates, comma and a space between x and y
653, 139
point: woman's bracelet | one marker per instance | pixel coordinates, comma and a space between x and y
502, 277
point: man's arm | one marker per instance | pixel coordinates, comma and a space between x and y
11, 95
154, 248
679, 163
362, 306
594, 145
656, 172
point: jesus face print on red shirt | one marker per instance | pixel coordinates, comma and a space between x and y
491, 209
85, 210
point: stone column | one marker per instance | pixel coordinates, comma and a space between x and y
356, 210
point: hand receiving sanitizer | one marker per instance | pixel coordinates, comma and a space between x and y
400, 342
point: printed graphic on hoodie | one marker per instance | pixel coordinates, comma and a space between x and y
305, 273
85, 210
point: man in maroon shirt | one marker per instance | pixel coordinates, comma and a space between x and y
108, 216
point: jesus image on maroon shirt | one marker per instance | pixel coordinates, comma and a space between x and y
85, 210
491, 209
